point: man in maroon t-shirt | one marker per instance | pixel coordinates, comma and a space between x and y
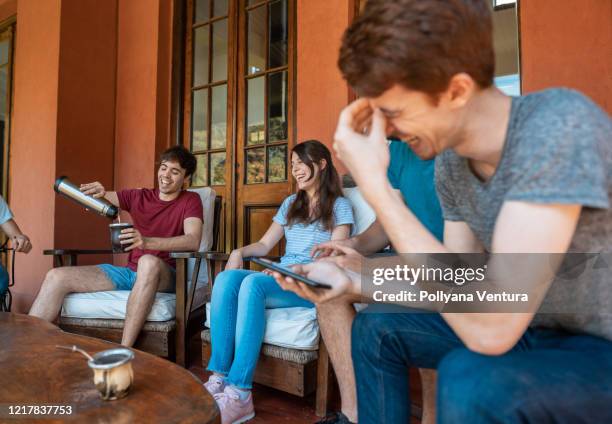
165, 220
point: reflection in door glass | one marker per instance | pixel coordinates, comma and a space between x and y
220, 8
255, 172
506, 46
219, 54
202, 11
256, 131
218, 119
199, 123
277, 163
277, 106
217, 168
4, 52
199, 176
256, 37
278, 34
200, 56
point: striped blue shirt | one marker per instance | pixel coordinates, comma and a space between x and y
301, 237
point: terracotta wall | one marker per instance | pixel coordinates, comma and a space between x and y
143, 86
63, 124
85, 117
568, 43
321, 91
8, 8
33, 144
143, 92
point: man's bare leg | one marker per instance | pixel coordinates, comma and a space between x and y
152, 275
335, 321
61, 281
428, 383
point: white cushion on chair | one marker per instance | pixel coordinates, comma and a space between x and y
112, 305
207, 196
363, 213
295, 328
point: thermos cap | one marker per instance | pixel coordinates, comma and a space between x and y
58, 182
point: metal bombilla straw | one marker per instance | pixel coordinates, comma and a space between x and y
73, 348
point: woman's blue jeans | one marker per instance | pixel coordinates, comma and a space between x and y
237, 321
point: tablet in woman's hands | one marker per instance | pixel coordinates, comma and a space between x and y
288, 273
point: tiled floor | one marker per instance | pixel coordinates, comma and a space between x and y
271, 406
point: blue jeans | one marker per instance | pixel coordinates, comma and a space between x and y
550, 376
237, 321
4, 282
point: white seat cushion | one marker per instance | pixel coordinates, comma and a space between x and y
112, 305
295, 328
207, 196
362, 211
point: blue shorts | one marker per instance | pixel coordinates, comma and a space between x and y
122, 277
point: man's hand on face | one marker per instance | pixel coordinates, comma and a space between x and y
322, 272
331, 248
360, 142
132, 237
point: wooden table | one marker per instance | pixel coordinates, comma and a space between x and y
34, 372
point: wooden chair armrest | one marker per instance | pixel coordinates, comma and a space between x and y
76, 251
217, 256
189, 255
68, 257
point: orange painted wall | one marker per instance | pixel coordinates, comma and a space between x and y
137, 87
86, 117
8, 8
142, 128
34, 128
568, 43
321, 91
63, 124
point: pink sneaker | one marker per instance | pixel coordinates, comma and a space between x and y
215, 384
233, 409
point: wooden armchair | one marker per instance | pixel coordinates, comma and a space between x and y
168, 338
295, 371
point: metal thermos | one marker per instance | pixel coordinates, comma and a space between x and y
64, 187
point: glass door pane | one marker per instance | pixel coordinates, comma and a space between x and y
256, 131
199, 132
218, 122
256, 36
278, 34
200, 56
277, 106
219, 54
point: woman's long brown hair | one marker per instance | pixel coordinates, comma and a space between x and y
312, 152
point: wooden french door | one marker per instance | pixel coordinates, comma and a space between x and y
239, 107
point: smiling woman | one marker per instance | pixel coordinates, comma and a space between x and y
315, 214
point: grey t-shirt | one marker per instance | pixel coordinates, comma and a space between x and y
558, 149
